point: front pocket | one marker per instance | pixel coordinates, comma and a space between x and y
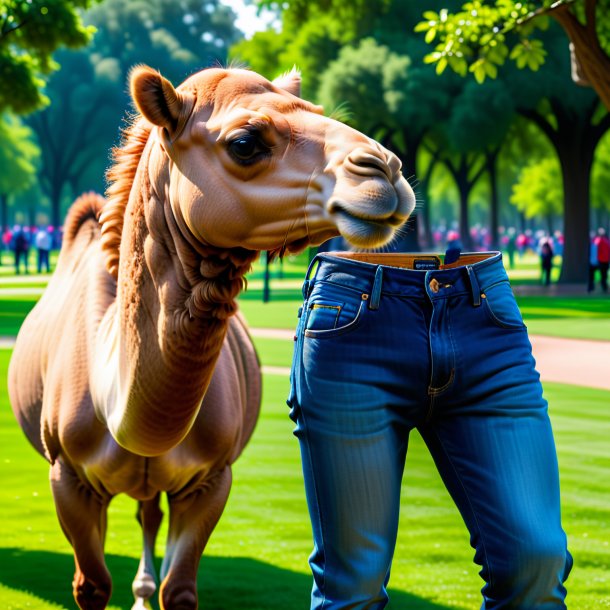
323, 316
325, 321
502, 309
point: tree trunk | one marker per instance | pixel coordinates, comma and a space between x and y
465, 237
574, 138
494, 203
3, 211
576, 170
593, 61
55, 202
408, 240
426, 230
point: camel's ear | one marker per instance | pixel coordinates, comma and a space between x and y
156, 98
290, 81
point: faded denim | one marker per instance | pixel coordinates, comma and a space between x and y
381, 350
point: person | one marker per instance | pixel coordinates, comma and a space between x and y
593, 263
511, 246
21, 248
602, 245
388, 343
546, 260
43, 245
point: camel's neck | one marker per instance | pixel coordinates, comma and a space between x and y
174, 298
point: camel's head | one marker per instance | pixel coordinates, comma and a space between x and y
252, 165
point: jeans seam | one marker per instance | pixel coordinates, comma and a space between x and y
318, 513
474, 514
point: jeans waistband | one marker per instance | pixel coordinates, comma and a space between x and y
389, 273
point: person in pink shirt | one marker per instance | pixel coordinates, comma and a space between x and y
602, 243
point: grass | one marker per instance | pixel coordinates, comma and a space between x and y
257, 556
579, 316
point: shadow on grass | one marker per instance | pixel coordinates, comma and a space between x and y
224, 583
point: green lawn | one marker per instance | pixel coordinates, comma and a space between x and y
257, 557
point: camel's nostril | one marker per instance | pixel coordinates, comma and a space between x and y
368, 163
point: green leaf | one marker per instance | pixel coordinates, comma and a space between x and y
441, 65
422, 26
491, 70
517, 51
432, 57
478, 69
430, 35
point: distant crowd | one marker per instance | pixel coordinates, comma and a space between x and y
546, 246
20, 240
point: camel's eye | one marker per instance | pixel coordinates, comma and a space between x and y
247, 148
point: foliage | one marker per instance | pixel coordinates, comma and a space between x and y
89, 93
371, 80
310, 48
539, 192
476, 38
30, 32
18, 156
175, 37
355, 17
483, 34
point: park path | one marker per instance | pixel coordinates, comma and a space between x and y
571, 361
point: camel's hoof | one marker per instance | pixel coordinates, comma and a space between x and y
143, 587
90, 597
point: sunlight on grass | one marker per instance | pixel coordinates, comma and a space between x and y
263, 540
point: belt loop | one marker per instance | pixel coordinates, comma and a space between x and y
474, 286
376, 291
308, 284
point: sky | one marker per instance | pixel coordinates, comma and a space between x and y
248, 21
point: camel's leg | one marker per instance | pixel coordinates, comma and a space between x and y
149, 516
191, 521
82, 515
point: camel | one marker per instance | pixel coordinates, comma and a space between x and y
135, 372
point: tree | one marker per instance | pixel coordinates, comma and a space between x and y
30, 32
18, 161
386, 97
538, 191
355, 18
483, 34
600, 183
78, 128
478, 120
88, 94
573, 122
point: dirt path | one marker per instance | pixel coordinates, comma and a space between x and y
571, 361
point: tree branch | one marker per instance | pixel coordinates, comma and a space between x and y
560, 5
591, 17
4, 33
474, 179
541, 122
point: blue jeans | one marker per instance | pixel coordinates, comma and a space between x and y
382, 349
